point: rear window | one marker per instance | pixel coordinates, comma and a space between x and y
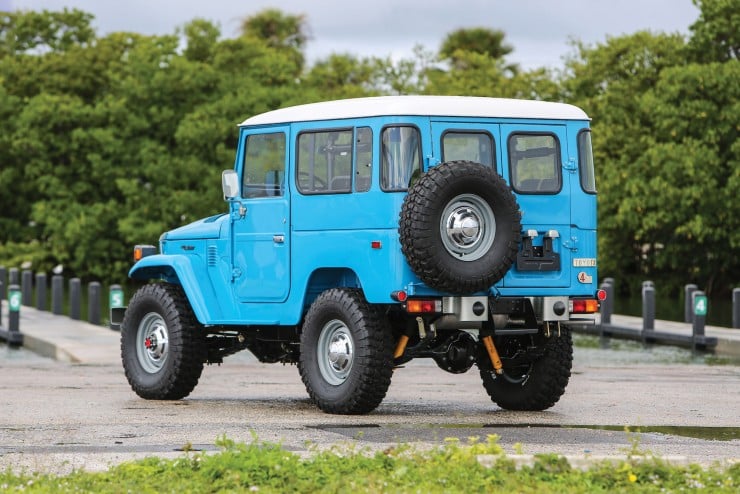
468, 146
534, 163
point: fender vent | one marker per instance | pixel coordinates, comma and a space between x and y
212, 255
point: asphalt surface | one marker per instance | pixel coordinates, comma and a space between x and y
74, 412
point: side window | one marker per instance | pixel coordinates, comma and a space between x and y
364, 163
264, 165
534, 163
468, 146
401, 157
586, 162
324, 162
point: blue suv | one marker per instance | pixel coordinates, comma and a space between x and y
361, 234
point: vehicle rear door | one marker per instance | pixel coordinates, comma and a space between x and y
536, 164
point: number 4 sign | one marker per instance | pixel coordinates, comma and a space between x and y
700, 305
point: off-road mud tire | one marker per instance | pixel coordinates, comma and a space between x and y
541, 386
345, 319
170, 369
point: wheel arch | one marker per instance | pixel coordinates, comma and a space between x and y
323, 279
188, 272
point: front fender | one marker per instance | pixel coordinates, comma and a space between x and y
190, 273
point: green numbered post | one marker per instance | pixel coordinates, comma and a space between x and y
115, 297
700, 305
14, 300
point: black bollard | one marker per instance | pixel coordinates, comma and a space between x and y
607, 306
700, 306
93, 303
15, 299
75, 298
57, 294
648, 306
14, 277
3, 282
736, 308
688, 310
41, 291
27, 287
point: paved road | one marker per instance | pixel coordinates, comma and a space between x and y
55, 415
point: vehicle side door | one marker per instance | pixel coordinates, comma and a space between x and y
261, 237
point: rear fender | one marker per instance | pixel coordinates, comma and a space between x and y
187, 271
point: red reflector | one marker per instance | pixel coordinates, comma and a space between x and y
601, 295
375, 244
399, 296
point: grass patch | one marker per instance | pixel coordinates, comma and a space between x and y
454, 467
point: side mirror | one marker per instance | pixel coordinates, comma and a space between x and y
230, 184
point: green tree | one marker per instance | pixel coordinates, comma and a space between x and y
607, 81
284, 32
480, 40
201, 37
716, 33
21, 31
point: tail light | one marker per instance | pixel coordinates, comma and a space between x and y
420, 306
584, 306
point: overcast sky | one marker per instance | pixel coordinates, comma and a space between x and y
539, 30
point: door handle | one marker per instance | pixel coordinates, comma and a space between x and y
278, 239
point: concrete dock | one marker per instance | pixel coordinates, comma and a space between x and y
78, 411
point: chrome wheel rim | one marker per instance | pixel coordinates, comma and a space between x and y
335, 350
467, 227
152, 342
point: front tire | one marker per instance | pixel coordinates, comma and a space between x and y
534, 386
162, 345
346, 358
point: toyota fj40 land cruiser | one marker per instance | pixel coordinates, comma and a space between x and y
361, 234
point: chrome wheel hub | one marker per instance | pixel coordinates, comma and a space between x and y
335, 351
467, 227
152, 342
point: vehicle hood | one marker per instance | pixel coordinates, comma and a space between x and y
201, 229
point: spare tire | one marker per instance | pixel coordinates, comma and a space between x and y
460, 227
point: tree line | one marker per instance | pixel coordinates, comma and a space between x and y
107, 141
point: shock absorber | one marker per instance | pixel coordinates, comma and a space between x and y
493, 354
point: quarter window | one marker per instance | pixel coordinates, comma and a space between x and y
325, 162
264, 166
534, 163
468, 146
586, 162
401, 163
364, 163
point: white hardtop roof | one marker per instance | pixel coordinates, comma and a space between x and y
436, 106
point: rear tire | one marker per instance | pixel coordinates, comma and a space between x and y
163, 347
346, 359
536, 386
